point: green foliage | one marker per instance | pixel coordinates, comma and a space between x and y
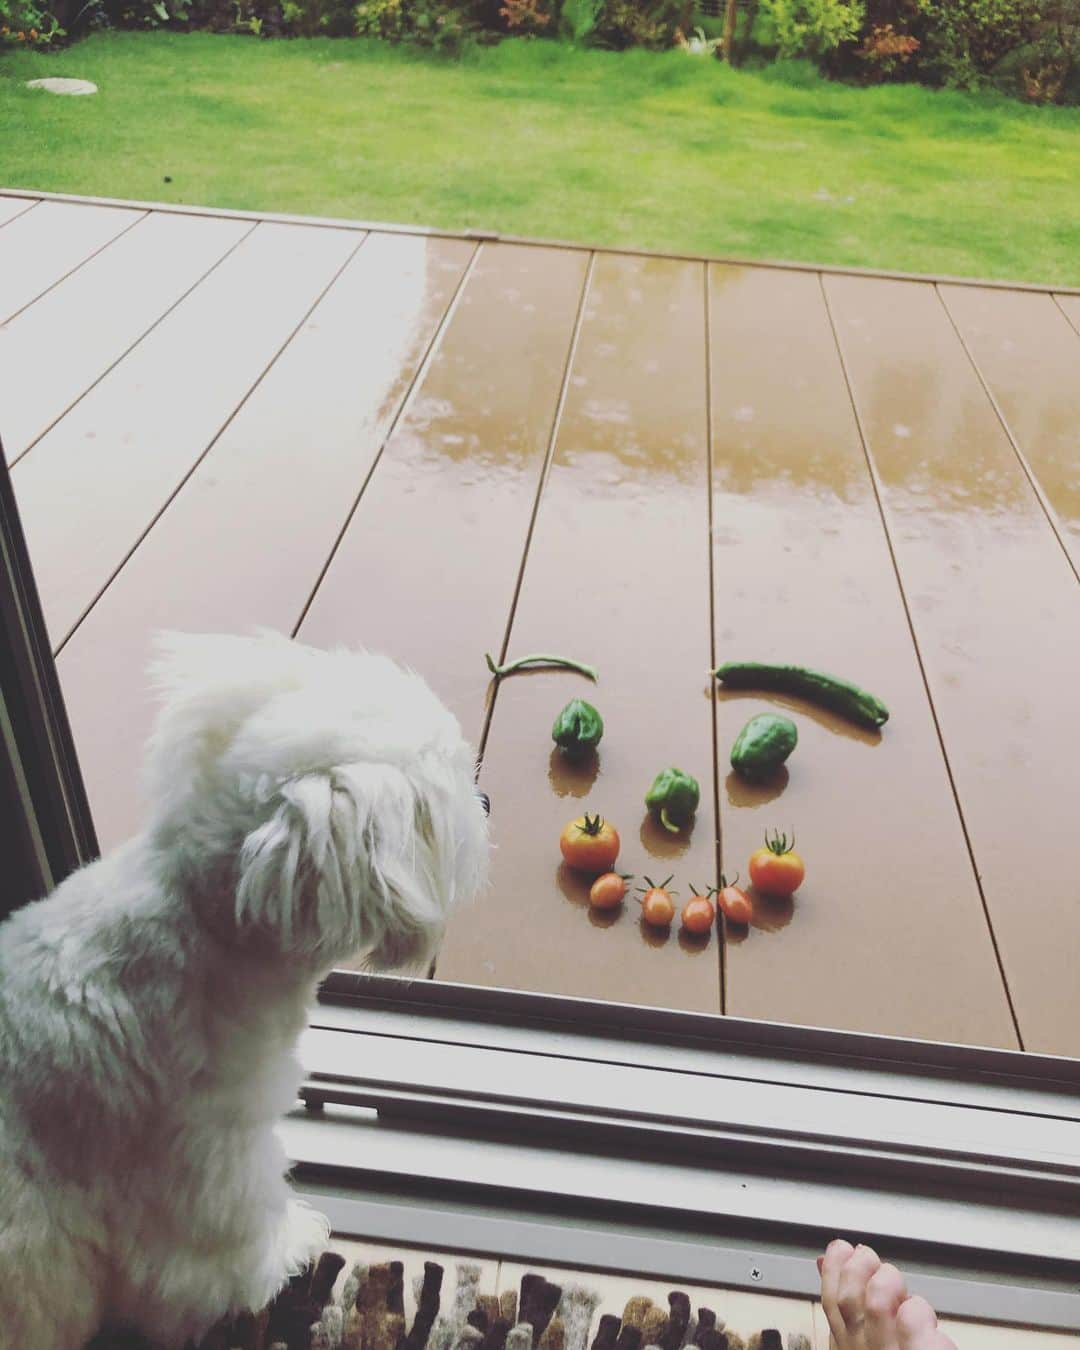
23, 22
810, 28
376, 18
642, 23
1050, 72
578, 19
445, 27
965, 39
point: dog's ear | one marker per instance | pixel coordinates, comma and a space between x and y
206, 684
350, 862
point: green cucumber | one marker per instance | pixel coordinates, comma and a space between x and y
841, 696
762, 746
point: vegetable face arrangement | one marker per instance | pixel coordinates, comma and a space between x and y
590, 844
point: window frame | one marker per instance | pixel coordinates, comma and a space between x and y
47, 829
874, 1137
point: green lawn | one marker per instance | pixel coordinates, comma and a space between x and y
653, 150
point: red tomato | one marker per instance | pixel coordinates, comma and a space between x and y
590, 844
777, 869
698, 914
608, 891
734, 903
657, 906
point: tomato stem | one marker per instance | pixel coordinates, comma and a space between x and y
541, 659
778, 844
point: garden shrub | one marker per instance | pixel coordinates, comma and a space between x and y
965, 39
578, 19
524, 16
22, 22
378, 18
642, 23
811, 29
890, 44
1051, 71
886, 52
442, 25
1030, 47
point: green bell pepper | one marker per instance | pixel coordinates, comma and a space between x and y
674, 796
578, 727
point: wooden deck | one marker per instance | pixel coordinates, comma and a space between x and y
438, 445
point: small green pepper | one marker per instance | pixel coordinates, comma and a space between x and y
674, 795
578, 727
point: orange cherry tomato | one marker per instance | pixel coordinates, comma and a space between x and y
777, 869
590, 844
657, 906
698, 914
608, 891
735, 904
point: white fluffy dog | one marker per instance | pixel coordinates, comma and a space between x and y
307, 807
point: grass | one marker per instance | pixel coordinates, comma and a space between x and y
642, 149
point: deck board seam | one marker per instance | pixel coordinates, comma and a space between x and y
999, 412
179, 487
31, 203
406, 401
10, 318
1056, 297
545, 473
131, 346
875, 483
718, 847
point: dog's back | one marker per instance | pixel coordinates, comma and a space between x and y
50, 1242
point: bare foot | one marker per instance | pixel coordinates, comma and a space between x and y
868, 1306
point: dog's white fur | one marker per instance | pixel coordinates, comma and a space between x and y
307, 807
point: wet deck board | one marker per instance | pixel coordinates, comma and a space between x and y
617, 575
803, 575
427, 568
995, 609
39, 247
54, 351
245, 540
208, 479
1028, 354
91, 488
